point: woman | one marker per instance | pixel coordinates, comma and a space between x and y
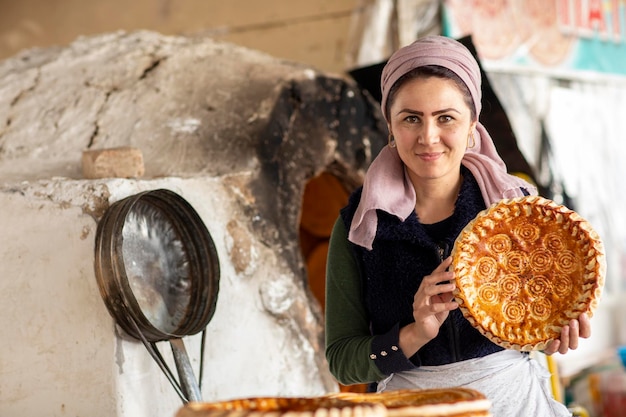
390, 314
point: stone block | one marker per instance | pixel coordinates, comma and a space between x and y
122, 162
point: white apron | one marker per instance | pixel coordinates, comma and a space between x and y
516, 384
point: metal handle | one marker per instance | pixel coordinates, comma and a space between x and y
186, 376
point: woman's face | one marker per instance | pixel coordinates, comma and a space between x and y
431, 123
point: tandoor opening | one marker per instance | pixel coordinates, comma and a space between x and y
324, 196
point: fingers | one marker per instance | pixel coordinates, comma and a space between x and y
439, 284
570, 336
574, 332
436, 297
442, 306
585, 326
437, 288
565, 340
553, 347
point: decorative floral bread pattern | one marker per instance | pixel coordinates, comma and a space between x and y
524, 268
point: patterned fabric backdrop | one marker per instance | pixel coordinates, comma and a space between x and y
566, 37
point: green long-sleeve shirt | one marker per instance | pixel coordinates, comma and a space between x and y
352, 351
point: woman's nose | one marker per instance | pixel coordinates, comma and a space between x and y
429, 134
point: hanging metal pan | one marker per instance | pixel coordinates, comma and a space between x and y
158, 272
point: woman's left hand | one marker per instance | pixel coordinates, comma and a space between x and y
570, 335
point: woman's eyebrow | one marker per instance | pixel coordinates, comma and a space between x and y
435, 113
446, 111
419, 113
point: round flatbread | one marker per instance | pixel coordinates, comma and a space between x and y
448, 402
283, 407
524, 268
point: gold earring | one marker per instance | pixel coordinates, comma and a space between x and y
471, 136
392, 141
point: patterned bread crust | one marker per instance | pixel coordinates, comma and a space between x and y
448, 402
283, 407
524, 268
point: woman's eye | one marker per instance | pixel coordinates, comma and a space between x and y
445, 118
412, 119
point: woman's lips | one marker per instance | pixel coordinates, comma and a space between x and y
430, 156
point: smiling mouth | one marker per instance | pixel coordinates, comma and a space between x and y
431, 156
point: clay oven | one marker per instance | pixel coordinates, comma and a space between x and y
240, 136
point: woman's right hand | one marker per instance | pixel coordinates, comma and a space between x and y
432, 303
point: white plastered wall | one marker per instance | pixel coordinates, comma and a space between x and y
62, 353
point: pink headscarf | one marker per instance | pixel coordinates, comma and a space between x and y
387, 185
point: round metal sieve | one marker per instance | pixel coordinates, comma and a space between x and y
158, 272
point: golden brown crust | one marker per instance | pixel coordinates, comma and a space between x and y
444, 402
283, 407
449, 402
524, 268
